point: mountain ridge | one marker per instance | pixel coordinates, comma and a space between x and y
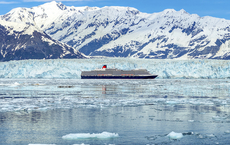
19, 42
126, 32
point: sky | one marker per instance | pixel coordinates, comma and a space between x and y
214, 8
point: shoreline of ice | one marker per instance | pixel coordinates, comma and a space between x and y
40, 104
42, 94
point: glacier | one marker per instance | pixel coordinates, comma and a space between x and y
71, 68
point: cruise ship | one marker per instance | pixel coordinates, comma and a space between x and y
108, 73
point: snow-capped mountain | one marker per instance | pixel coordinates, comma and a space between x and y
127, 32
22, 41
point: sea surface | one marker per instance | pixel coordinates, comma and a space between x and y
115, 112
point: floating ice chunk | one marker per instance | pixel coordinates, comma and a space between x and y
103, 135
15, 84
174, 135
190, 120
41, 144
218, 118
210, 135
201, 136
171, 102
227, 132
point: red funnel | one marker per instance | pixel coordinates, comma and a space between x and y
105, 66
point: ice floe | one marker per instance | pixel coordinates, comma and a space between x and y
41, 144
103, 135
15, 103
219, 118
61, 93
227, 132
174, 135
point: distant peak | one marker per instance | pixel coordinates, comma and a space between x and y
53, 4
166, 11
183, 11
120, 8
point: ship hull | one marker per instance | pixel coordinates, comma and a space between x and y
119, 77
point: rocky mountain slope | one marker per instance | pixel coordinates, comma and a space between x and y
22, 41
127, 32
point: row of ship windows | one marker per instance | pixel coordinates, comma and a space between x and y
111, 75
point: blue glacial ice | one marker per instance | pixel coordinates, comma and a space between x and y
174, 135
59, 68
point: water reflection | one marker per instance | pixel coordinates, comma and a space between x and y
136, 110
133, 124
141, 88
103, 89
164, 88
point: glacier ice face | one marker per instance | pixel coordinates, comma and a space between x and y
71, 69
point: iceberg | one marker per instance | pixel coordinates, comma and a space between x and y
71, 68
174, 135
103, 135
41, 144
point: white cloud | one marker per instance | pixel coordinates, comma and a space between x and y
52, 0
4, 2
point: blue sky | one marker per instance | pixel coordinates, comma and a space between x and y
215, 8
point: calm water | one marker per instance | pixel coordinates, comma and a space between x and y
42, 111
